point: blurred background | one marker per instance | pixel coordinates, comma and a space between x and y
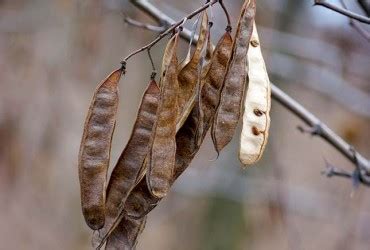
54, 53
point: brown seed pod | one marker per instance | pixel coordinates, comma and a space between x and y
94, 154
229, 107
129, 165
140, 201
188, 75
162, 154
126, 234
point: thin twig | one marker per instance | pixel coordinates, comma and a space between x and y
320, 129
228, 28
169, 30
343, 11
144, 25
331, 171
311, 120
154, 71
364, 33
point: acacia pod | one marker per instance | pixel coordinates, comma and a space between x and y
94, 154
256, 117
229, 107
188, 76
132, 159
162, 154
140, 201
125, 235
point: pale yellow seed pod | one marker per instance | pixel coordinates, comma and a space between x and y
256, 117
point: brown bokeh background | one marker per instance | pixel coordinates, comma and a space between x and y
52, 55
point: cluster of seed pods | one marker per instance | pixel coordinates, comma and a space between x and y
203, 92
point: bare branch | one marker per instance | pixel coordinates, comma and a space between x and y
343, 11
228, 28
144, 25
364, 33
331, 171
169, 30
311, 120
356, 25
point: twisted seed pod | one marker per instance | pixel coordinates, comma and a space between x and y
229, 107
94, 154
141, 201
125, 236
129, 164
256, 117
162, 154
188, 75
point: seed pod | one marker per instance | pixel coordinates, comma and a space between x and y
140, 201
126, 234
94, 155
229, 107
256, 117
162, 154
129, 165
188, 75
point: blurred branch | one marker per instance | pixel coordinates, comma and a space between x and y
312, 121
364, 33
174, 25
360, 30
319, 78
365, 5
318, 128
343, 11
146, 26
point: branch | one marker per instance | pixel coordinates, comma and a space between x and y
146, 26
356, 25
343, 11
325, 132
169, 30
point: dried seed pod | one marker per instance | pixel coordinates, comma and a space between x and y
126, 234
229, 107
130, 164
95, 147
141, 201
256, 117
162, 154
188, 76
